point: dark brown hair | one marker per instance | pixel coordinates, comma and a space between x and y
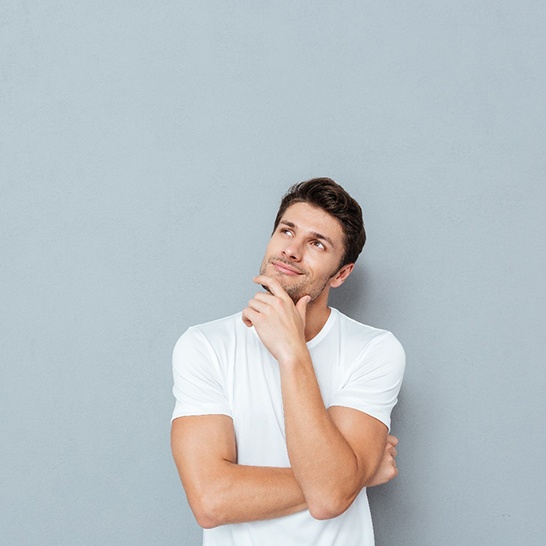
329, 196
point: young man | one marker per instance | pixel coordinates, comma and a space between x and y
282, 410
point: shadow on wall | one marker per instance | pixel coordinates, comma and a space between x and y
350, 298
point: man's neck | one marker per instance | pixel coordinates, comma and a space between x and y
315, 320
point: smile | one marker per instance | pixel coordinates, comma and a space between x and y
285, 269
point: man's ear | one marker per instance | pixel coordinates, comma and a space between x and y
339, 278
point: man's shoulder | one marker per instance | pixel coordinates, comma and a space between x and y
362, 333
355, 327
220, 329
219, 323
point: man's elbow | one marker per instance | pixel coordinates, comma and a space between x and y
205, 519
333, 500
207, 512
330, 506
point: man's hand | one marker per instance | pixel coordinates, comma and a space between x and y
330, 478
387, 468
279, 323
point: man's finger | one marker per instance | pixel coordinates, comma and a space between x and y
249, 316
273, 285
391, 439
247, 322
258, 306
301, 306
264, 297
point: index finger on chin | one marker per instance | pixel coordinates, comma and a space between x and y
271, 284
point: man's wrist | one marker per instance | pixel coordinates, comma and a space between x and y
295, 358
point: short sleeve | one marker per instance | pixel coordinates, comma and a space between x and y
198, 386
375, 378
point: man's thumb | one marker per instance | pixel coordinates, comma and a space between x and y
301, 306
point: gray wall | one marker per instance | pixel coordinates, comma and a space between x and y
144, 149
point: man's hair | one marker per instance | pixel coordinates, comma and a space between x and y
329, 196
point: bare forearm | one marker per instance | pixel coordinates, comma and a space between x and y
323, 462
237, 493
221, 491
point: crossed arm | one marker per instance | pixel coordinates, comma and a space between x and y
333, 453
220, 491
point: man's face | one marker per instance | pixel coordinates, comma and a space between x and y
305, 251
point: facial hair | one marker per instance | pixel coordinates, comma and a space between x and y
296, 290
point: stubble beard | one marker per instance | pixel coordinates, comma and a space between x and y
296, 290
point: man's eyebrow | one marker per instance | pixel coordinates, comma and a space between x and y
313, 233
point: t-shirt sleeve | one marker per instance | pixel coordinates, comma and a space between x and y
375, 378
197, 377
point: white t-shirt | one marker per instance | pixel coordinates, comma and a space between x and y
222, 367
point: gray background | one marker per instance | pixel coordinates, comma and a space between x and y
144, 150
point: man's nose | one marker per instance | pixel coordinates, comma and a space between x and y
293, 250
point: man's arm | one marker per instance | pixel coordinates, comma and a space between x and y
333, 453
219, 490
387, 470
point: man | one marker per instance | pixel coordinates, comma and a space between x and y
283, 410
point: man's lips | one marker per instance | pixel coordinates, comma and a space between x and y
286, 269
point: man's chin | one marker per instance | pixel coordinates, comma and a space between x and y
295, 293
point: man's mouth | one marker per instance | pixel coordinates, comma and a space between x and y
285, 268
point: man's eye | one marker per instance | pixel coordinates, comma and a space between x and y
318, 244
286, 231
